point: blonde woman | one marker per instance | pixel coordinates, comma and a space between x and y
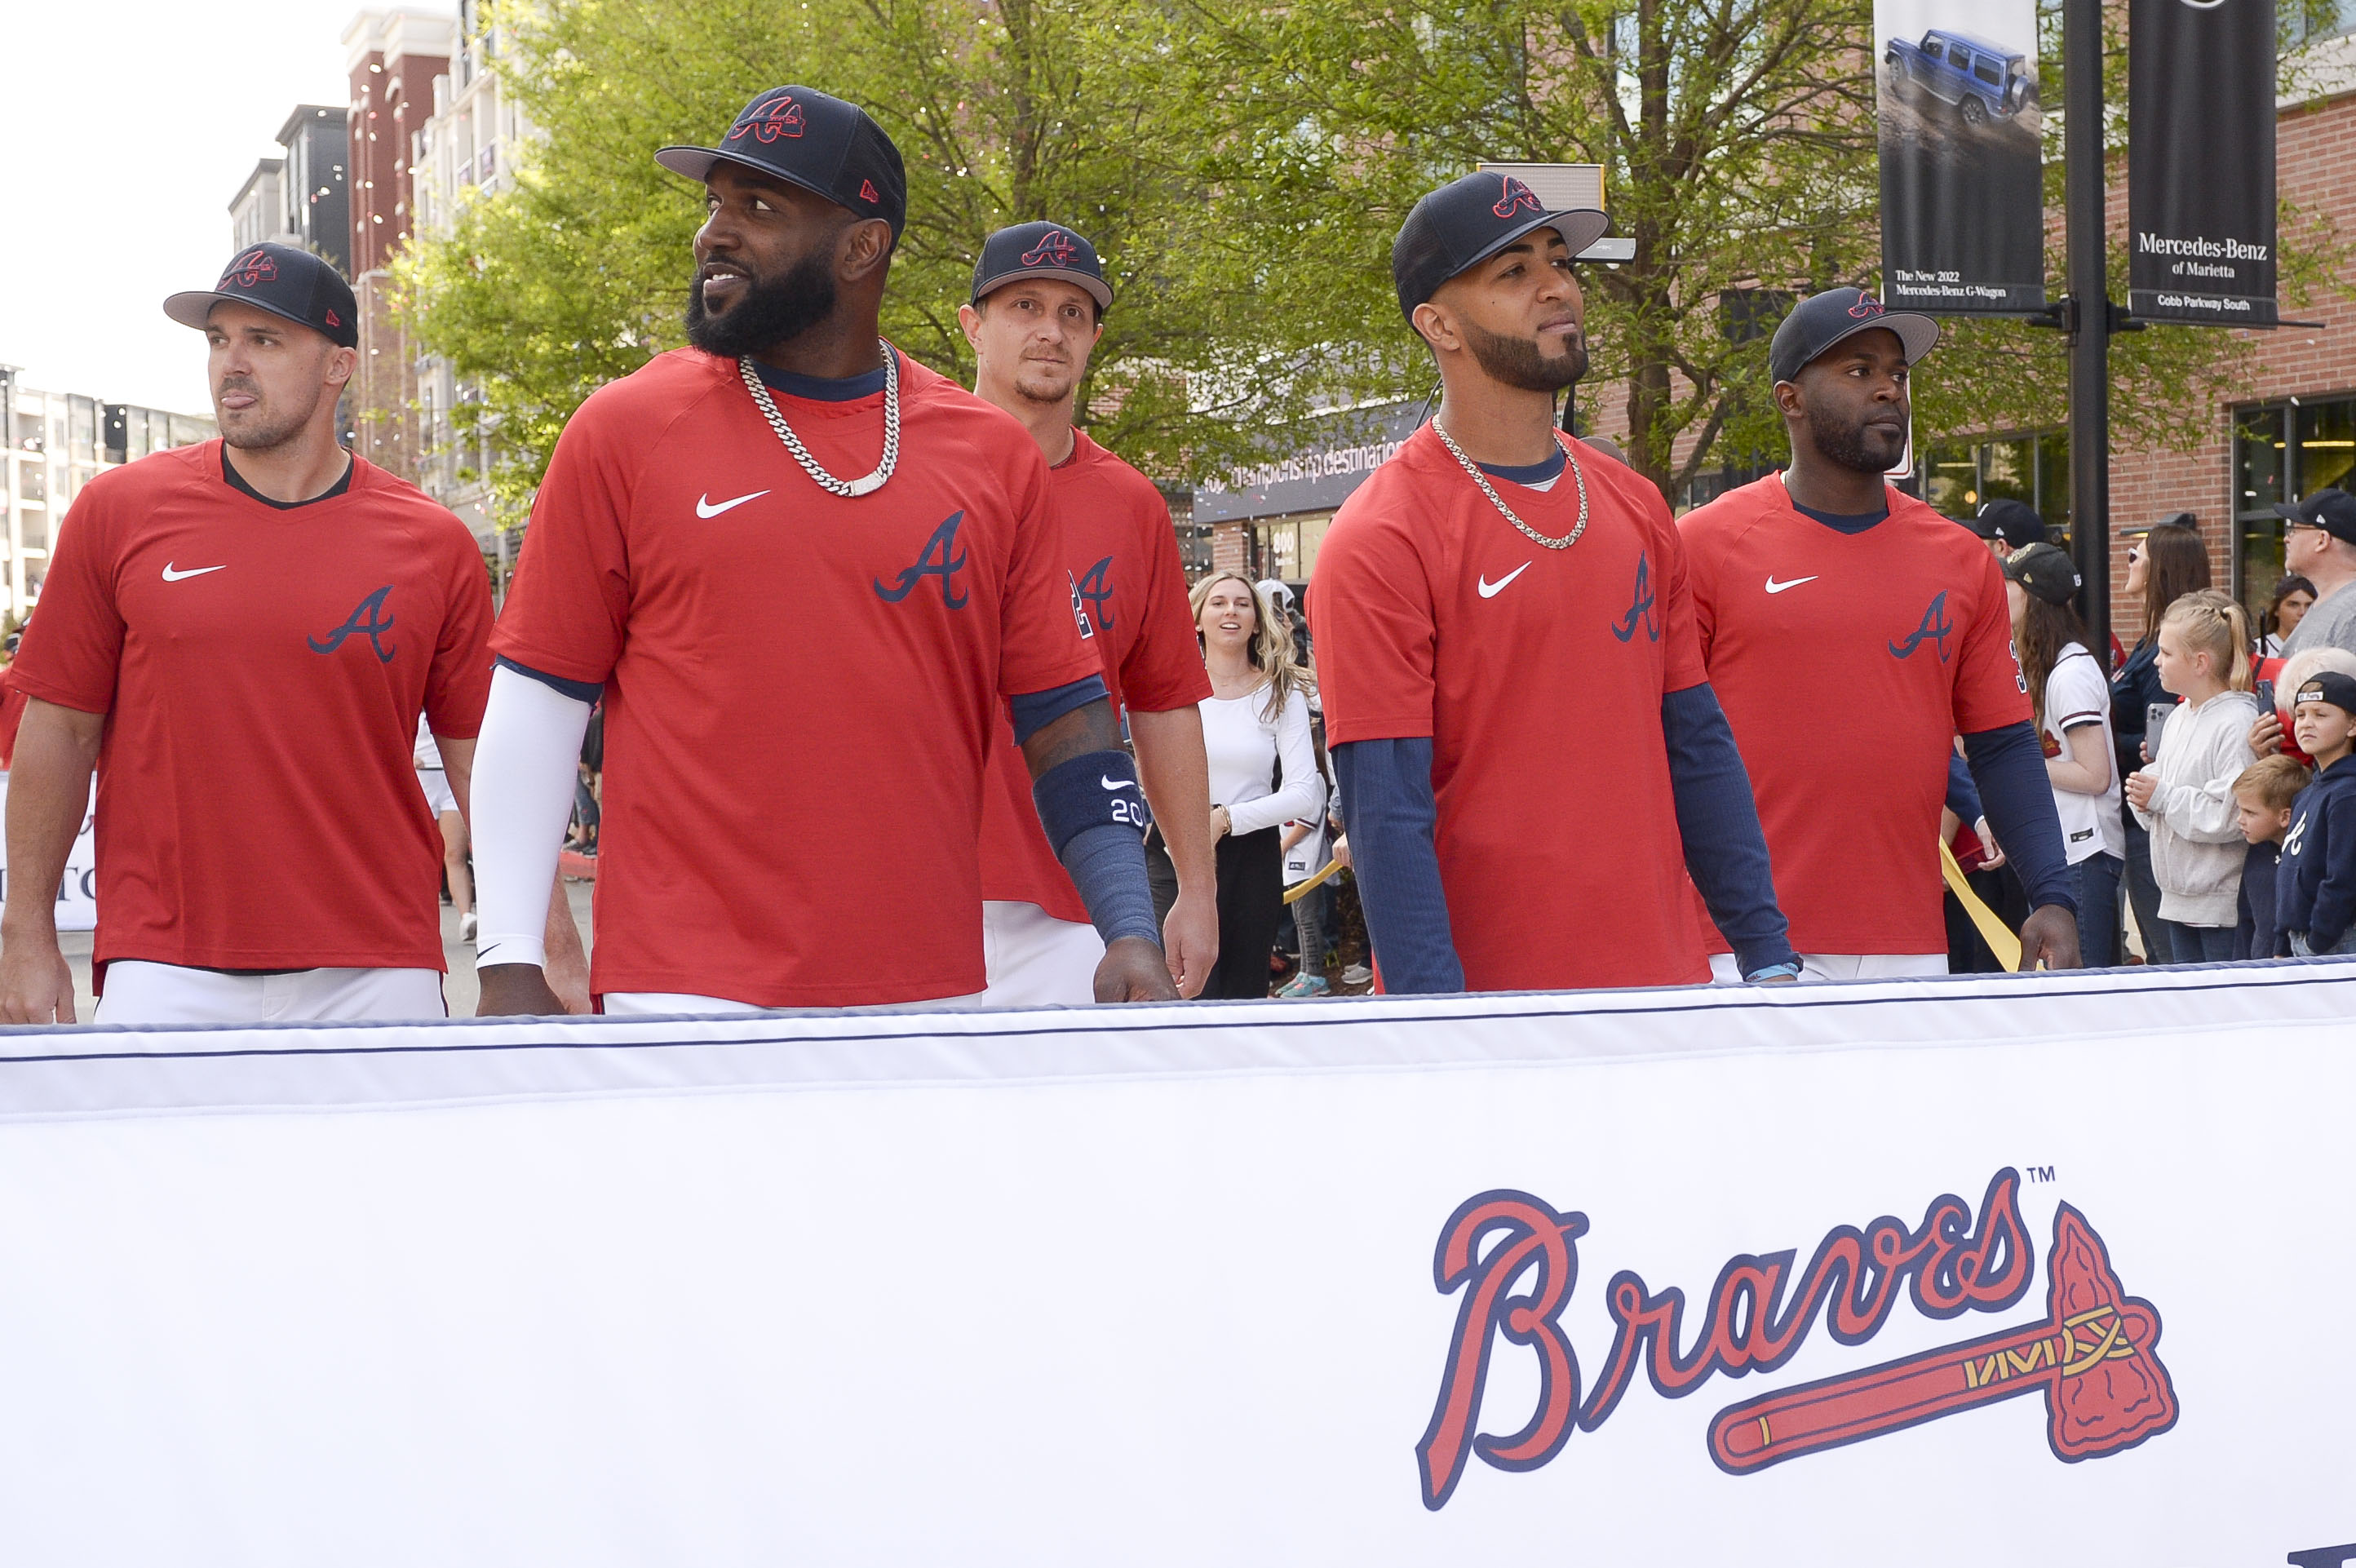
1263, 774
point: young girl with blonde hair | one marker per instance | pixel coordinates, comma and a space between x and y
2186, 796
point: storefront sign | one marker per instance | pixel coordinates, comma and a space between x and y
1962, 207
2201, 161
2002, 1269
1313, 465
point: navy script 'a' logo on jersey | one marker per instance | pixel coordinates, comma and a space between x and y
1640, 612
1095, 587
1934, 629
938, 559
368, 620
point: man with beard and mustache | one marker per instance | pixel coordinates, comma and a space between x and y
1039, 300
241, 635
808, 577
1529, 754
1853, 633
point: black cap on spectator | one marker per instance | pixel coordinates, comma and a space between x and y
2014, 524
809, 139
1821, 320
2329, 686
2332, 510
1466, 221
2045, 571
304, 288
1040, 250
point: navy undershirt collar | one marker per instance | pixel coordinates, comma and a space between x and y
1845, 523
237, 481
820, 389
1529, 473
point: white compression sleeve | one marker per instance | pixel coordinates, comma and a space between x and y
522, 798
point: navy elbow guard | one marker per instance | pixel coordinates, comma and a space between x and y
1091, 792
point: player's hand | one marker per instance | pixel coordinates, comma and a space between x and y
1992, 853
2266, 735
36, 983
1133, 971
517, 991
1190, 942
2049, 938
2140, 788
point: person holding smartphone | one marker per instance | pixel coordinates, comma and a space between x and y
2166, 563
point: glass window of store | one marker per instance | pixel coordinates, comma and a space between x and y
1959, 477
2282, 451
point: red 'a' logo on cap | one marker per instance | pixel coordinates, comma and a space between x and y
867, 192
769, 118
1516, 196
1056, 249
334, 320
1866, 306
249, 271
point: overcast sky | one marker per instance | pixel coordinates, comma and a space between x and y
128, 127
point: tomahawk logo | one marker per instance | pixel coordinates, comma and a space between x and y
2092, 1355
1516, 198
771, 118
251, 270
1054, 249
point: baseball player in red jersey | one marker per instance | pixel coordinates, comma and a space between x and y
1039, 299
1852, 633
1529, 754
809, 575
241, 636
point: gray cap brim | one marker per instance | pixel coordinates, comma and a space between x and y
1578, 226
194, 308
696, 164
1097, 289
1917, 334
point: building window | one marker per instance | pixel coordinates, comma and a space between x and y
2282, 452
1959, 477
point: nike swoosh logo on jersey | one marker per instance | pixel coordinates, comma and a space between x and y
1775, 588
704, 507
1113, 783
172, 577
1490, 590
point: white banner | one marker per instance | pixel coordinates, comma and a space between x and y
2022, 1269
78, 893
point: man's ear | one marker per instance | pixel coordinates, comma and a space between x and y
342, 364
1437, 325
864, 247
969, 318
1788, 400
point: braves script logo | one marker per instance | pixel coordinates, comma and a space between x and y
2092, 1354
1516, 198
1865, 308
251, 270
1640, 611
938, 559
1934, 629
1054, 249
769, 118
368, 620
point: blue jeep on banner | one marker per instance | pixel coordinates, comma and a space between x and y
1986, 82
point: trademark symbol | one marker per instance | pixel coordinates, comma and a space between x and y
2039, 1174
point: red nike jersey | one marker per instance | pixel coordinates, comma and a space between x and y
1131, 593
1848, 664
263, 671
800, 687
1538, 674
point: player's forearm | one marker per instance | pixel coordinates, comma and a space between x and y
1393, 817
2008, 766
1175, 770
1094, 814
524, 766
1726, 851
49, 789
458, 771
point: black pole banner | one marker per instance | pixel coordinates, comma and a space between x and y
1963, 207
2201, 161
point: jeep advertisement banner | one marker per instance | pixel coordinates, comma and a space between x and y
1962, 203
1995, 1269
2201, 161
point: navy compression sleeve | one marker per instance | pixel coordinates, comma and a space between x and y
2008, 766
1961, 797
1035, 711
1392, 819
1725, 851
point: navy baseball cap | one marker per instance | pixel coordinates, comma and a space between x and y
1466, 221
2014, 524
1040, 250
2046, 571
2332, 510
304, 288
2328, 686
1821, 320
826, 147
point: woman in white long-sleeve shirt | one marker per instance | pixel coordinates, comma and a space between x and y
1263, 772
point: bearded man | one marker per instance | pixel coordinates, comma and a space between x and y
1529, 754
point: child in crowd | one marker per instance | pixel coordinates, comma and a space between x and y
2319, 879
2263, 795
2185, 797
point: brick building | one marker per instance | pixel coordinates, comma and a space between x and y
392, 58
